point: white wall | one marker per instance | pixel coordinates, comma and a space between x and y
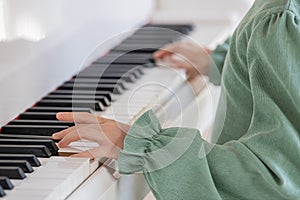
201, 10
214, 19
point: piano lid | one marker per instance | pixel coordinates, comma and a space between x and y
43, 43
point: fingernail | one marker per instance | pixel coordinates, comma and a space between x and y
58, 115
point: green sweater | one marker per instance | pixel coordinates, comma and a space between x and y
255, 150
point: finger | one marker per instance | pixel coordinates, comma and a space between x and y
85, 154
63, 133
165, 51
190, 69
69, 138
99, 152
177, 62
89, 132
80, 117
91, 153
161, 53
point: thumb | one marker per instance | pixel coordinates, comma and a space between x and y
165, 51
91, 154
178, 61
99, 152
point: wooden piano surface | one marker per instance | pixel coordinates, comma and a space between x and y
56, 40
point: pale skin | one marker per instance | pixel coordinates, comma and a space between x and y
110, 134
186, 55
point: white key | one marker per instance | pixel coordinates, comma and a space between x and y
55, 179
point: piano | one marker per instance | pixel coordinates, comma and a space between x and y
93, 56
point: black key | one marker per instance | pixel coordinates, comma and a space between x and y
131, 58
23, 164
92, 104
102, 99
107, 94
100, 70
40, 122
136, 49
119, 58
142, 43
6, 183
159, 30
32, 159
37, 150
94, 69
32, 129
2, 193
127, 77
128, 67
161, 38
184, 28
58, 109
134, 55
31, 137
143, 36
146, 42
136, 68
98, 81
12, 172
38, 115
156, 30
107, 87
95, 82
50, 144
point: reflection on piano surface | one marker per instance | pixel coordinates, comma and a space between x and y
36, 62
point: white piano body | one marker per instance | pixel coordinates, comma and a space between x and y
49, 41
44, 43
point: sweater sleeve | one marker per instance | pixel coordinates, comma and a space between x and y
262, 164
172, 160
218, 57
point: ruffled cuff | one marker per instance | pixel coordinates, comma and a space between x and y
218, 57
148, 147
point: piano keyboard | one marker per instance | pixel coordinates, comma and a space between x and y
120, 85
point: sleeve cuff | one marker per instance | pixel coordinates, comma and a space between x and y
137, 141
148, 147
